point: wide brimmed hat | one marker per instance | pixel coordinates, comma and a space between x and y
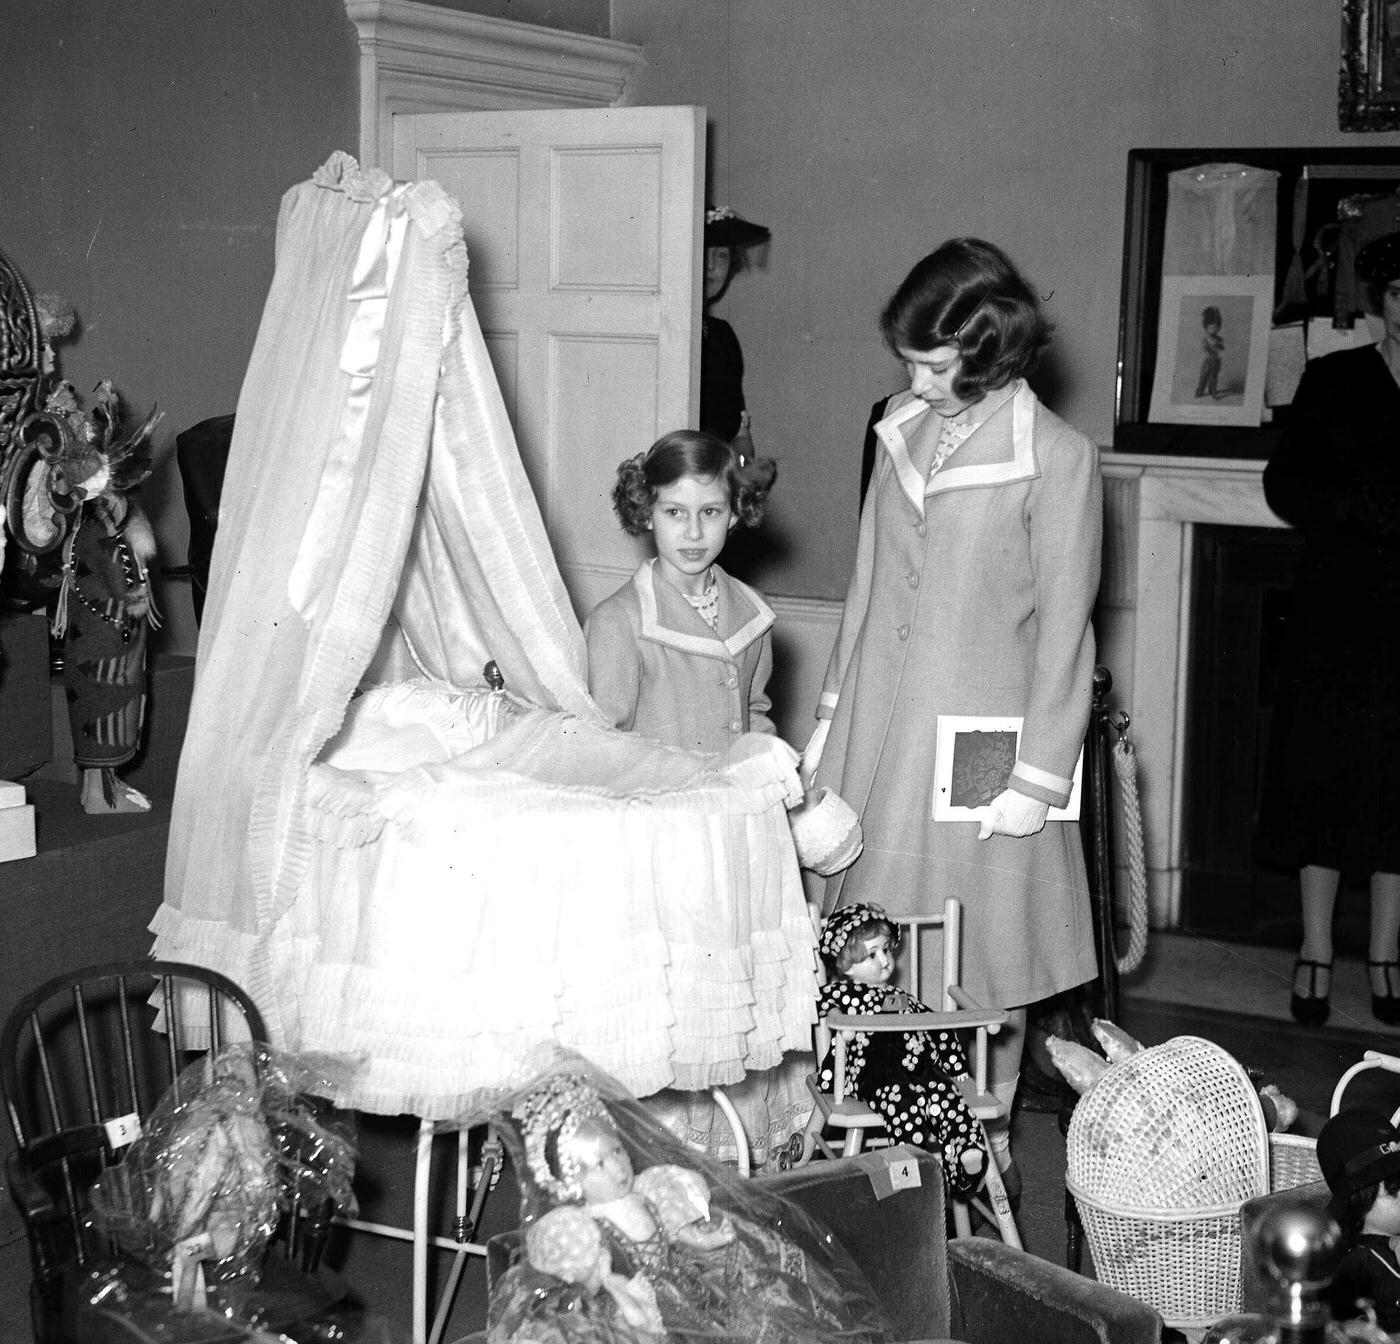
1357, 1148
723, 228
1379, 261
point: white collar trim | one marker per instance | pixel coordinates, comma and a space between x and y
952, 476
709, 645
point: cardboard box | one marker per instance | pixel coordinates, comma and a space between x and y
17, 832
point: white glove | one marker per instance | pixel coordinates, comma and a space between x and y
1015, 814
812, 756
787, 761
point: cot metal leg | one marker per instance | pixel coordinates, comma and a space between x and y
422, 1174
464, 1225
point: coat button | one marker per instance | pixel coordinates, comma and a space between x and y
903, 632
731, 682
735, 726
913, 580
921, 529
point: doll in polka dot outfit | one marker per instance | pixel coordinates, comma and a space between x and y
908, 1077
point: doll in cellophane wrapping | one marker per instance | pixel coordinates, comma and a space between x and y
630, 1237
911, 1077
192, 1206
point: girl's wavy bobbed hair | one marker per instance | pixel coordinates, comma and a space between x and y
969, 294
690, 452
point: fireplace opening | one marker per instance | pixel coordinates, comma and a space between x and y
1241, 598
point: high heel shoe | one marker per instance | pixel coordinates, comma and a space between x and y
1311, 1009
1385, 1006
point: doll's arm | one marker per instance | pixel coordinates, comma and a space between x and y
679, 1199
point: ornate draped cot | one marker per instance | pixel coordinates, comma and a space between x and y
400, 863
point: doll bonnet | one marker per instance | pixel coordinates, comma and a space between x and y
841, 924
549, 1117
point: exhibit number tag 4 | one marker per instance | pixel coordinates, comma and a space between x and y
899, 1173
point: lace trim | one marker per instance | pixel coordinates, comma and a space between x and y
951, 437
707, 604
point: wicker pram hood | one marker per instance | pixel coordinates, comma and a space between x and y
1175, 1126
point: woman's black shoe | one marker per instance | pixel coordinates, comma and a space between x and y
1311, 1009
1385, 1006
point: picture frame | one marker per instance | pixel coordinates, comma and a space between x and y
1368, 92
1314, 182
974, 756
1212, 350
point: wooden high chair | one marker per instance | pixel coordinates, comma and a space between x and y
857, 1123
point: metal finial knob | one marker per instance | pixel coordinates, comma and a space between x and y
1299, 1246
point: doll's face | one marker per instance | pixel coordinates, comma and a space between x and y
876, 966
1383, 1219
605, 1170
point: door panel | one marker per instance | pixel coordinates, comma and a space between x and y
584, 241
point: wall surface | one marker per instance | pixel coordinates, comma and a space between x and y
146, 145
864, 132
145, 148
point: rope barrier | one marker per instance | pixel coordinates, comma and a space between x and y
1125, 768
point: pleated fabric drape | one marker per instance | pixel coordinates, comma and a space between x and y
368, 342
430, 877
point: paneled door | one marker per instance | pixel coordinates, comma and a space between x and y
584, 238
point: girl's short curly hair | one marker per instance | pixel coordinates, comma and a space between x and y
968, 294
690, 452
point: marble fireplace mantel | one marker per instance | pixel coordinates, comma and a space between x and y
1151, 505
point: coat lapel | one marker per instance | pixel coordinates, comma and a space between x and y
1000, 452
891, 431
667, 618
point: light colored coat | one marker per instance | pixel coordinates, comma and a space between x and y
655, 667
972, 594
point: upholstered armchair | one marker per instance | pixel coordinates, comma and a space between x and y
972, 1289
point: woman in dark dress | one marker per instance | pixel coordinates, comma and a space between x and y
723, 411
1331, 801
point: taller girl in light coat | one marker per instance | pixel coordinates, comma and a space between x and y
976, 573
